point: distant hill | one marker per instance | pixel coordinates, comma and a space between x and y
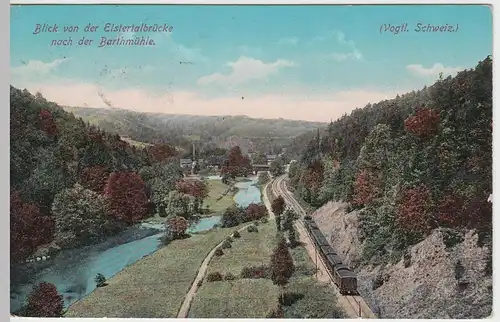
181, 130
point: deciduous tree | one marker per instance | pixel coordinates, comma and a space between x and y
259, 158
367, 186
424, 123
413, 213
80, 215
236, 164
277, 167
46, 123
127, 196
28, 228
175, 227
255, 212
94, 178
44, 301
161, 152
278, 205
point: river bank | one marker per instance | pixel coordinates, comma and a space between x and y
73, 271
160, 295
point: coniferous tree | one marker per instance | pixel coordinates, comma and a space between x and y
282, 266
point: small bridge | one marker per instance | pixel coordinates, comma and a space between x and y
260, 167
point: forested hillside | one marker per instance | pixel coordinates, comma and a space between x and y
223, 131
411, 164
73, 184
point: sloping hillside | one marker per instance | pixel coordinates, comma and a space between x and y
73, 184
415, 174
250, 133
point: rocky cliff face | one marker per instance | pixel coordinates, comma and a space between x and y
434, 282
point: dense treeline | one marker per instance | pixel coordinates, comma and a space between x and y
182, 130
73, 184
412, 164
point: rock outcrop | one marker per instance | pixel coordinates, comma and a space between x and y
432, 281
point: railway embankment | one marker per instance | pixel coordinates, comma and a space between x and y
434, 279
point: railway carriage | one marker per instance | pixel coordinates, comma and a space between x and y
319, 239
345, 280
327, 250
333, 261
312, 225
343, 277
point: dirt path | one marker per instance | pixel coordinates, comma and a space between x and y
184, 310
267, 203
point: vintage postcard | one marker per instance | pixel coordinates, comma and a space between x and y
251, 161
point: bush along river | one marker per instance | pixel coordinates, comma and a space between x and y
73, 271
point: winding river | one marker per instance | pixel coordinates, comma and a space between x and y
73, 272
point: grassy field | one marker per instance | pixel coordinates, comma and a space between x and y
216, 189
240, 298
155, 286
243, 298
251, 249
136, 143
313, 299
254, 298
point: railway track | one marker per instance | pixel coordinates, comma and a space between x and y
354, 305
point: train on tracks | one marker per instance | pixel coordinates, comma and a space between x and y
343, 277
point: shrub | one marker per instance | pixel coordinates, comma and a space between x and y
264, 220
226, 245
229, 239
200, 283
451, 238
459, 270
229, 276
218, 252
231, 217
379, 280
256, 223
289, 298
236, 234
276, 313
255, 212
488, 268
292, 237
44, 301
261, 271
252, 229
305, 269
214, 277
100, 280
175, 228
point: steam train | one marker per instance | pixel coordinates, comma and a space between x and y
344, 278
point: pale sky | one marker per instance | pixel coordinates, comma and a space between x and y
296, 62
